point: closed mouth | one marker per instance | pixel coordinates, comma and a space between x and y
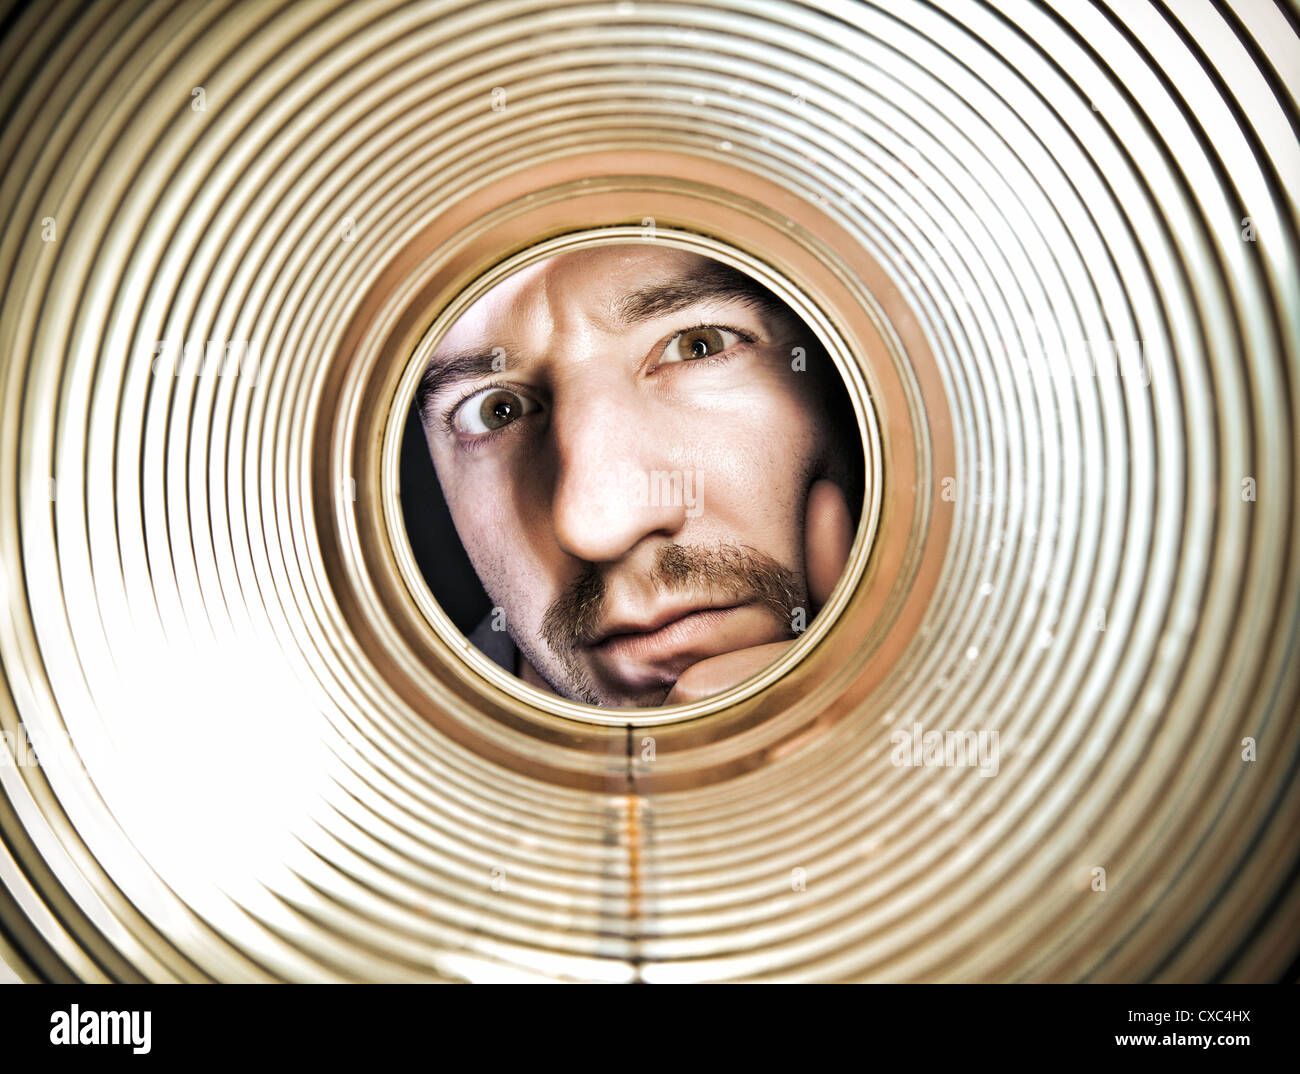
658, 627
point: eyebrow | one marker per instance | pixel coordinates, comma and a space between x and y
451, 369
714, 282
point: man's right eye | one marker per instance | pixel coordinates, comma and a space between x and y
491, 409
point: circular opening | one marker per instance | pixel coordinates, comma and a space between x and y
636, 475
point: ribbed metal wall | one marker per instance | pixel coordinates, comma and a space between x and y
1082, 218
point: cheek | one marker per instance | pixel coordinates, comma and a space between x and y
483, 507
755, 447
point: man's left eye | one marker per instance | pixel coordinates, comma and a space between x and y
697, 343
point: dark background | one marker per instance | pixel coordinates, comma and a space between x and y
446, 568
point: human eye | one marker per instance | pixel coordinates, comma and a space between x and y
700, 342
488, 410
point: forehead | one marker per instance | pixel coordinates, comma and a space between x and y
586, 284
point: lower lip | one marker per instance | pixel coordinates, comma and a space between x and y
668, 640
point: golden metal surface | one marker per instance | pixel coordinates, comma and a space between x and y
263, 750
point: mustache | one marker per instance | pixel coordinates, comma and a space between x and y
734, 572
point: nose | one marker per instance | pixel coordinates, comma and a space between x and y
613, 486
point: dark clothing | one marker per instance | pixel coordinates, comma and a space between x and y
496, 645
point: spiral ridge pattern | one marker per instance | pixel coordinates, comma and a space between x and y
238, 751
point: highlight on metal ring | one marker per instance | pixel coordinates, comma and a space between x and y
1049, 732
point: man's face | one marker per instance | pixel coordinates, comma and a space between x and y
626, 440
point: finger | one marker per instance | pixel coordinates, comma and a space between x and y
718, 673
828, 536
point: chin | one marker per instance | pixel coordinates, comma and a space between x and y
644, 701
604, 698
